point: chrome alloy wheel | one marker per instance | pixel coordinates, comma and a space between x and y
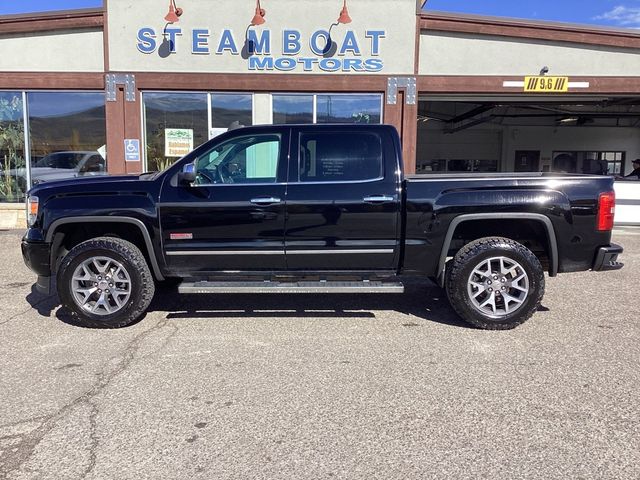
101, 286
498, 286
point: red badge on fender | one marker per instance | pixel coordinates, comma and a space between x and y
181, 236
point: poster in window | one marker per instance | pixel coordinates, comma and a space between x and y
178, 142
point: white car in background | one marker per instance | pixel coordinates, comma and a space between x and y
62, 166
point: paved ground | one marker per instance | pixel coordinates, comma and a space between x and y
363, 387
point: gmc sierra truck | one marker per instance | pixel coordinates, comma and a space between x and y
314, 209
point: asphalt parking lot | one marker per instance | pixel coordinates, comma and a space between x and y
371, 387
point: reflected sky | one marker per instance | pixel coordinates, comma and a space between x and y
58, 104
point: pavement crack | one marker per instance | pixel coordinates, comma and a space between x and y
31, 307
93, 436
14, 458
22, 422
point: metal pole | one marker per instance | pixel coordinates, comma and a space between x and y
27, 139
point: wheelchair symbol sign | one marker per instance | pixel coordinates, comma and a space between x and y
132, 150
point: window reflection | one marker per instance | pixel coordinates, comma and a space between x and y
349, 108
292, 109
231, 109
68, 135
12, 159
173, 122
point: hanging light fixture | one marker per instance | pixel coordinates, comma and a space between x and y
258, 18
344, 14
174, 12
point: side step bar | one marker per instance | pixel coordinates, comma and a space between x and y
291, 287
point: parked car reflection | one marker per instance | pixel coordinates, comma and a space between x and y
63, 166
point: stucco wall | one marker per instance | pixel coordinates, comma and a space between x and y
126, 18
444, 53
60, 51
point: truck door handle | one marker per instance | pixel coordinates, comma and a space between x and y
265, 201
379, 199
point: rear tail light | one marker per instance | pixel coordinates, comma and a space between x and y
606, 211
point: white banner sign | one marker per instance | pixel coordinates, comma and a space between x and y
177, 142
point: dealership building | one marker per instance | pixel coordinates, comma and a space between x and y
135, 85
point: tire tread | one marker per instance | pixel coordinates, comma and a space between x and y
134, 256
456, 286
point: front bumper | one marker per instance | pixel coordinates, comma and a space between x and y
607, 258
37, 256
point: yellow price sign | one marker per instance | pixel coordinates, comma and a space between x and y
546, 84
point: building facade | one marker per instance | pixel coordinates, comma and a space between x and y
133, 86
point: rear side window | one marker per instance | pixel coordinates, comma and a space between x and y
340, 156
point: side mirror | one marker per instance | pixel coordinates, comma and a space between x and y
188, 174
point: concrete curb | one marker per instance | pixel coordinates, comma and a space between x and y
12, 215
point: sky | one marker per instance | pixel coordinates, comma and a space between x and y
615, 13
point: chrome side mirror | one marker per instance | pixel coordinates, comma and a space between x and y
188, 174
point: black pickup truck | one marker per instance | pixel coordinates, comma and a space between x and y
315, 209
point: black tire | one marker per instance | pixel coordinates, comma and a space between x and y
127, 254
462, 266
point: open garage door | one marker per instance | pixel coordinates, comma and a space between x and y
532, 134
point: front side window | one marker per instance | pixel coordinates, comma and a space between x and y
243, 160
340, 157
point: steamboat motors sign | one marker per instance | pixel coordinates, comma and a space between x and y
353, 52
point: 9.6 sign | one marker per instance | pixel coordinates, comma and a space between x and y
544, 84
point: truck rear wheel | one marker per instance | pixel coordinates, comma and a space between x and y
105, 283
495, 283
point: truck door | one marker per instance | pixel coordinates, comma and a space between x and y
343, 205
232, 216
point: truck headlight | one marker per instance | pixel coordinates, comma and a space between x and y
33, 203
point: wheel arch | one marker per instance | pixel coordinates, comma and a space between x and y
138, 224
535, 217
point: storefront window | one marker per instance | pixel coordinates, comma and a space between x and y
292, 109
349, 108
12, 159
229, 109
67, 135
175, 123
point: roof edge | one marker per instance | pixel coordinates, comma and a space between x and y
51, 21
533, 30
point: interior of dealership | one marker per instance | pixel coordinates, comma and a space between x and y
134, 86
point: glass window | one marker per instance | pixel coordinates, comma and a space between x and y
340, 156
250, 159
13, 181
292, 109
175, 123
231, 109
603, 163
67, 130
349, 108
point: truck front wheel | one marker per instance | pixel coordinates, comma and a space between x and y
105, 283
495, 283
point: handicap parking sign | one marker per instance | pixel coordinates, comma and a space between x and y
132, 150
